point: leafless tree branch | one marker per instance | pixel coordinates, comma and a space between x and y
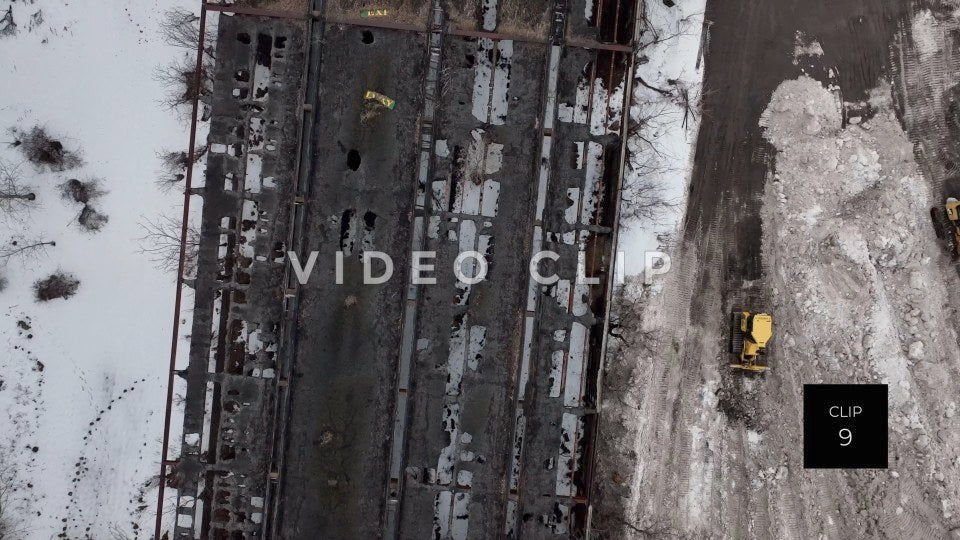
181, 28
180, 80
14, 197
11, 526
19, 246
161, 243
174, 167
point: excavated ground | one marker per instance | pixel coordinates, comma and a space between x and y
810, 198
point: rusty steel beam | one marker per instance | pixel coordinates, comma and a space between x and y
310, 98
259, 12
377, 23
597, 46
612, 268
463, 32
175, 333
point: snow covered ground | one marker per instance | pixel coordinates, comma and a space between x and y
83, 380
661, 152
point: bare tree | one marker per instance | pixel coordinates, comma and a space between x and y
175, 165
181, 28
182, 84
644, 199
161, 243
11, 525
117, 532
645, 114
14, 196
653, 34
19, 246
688, 101
5, 490
6, 526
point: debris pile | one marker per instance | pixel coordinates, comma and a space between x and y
860, 283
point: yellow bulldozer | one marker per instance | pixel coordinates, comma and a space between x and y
946, 223
749, 334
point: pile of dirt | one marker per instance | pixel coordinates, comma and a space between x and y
860, 287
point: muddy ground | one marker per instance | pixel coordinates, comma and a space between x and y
514, 17
680, 458
361, 198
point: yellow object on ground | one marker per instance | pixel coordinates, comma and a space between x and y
946, 223
373, 13
377, 96
749, 334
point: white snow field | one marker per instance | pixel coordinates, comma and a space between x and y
661, 152
83, 380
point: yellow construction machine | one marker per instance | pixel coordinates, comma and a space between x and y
749, 334
946, 223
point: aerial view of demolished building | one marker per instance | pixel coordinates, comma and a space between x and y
473, 269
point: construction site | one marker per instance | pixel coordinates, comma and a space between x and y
828, 140
816, 243
333, 408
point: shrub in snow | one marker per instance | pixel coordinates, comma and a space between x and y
58, 285
181, 28
81, 192
182, 84
85, 192
44, 151
7, 26
92, 220
3, 283
35, 20
175, 166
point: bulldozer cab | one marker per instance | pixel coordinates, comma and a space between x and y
946, 223
952, 207
749, 334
